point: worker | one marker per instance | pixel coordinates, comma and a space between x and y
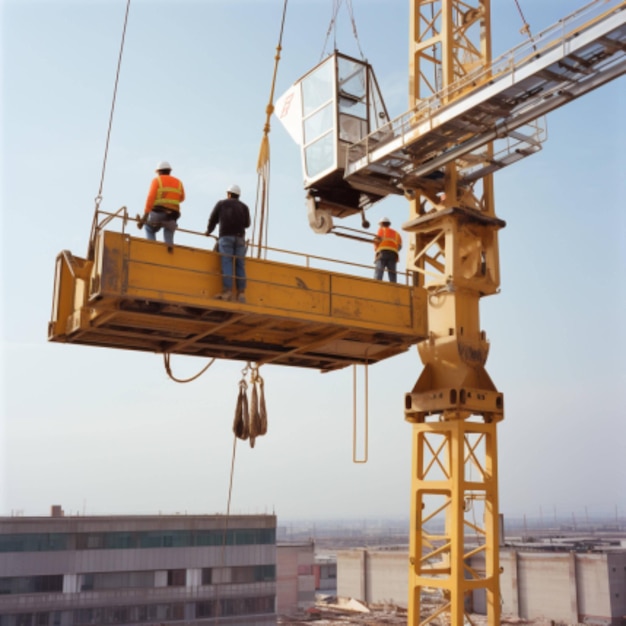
233, 216
387, 244
163, 205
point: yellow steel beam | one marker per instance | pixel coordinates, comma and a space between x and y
454, 406
137, 296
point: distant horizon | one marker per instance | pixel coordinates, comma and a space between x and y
580, 517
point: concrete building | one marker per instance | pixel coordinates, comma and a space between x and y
570, 587
325, 572
75, 571
374, 576
295, 581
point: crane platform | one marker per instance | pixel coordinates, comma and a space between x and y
502, 103
135, 295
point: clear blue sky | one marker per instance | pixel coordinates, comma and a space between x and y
103, 431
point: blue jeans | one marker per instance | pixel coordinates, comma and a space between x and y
233, 251
386, 260
155, 222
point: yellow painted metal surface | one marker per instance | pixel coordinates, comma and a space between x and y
136, 295
454, 406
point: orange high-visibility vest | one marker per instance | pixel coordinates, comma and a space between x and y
389, 239
166, 191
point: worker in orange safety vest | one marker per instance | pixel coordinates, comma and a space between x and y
163, 204
387, 244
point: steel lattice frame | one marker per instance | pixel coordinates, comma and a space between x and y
454, 406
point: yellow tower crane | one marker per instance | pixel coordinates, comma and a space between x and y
469, 115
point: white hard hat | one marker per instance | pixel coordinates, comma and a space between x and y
163, 165
234, 189
384, 220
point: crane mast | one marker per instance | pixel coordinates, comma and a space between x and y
454, 406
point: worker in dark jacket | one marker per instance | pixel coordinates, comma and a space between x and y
162, 208
233, 216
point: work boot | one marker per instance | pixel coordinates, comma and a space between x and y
227, 296
241, 296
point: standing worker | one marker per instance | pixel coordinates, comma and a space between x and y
387, 244
233, 217
163, 205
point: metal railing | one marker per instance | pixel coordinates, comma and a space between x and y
105, 219
557, 35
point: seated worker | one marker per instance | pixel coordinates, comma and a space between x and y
162, 208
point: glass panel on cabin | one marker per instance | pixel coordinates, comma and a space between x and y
317, 88
352, 87
320, 156
318, 124
319, 120
352, 97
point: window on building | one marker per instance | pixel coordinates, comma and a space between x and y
253, 574
41, 542
242, 575
116, 580
94, 541
121, 541
265, 573
207, 575
33, 542
176, 577
86, 582
166, 539
31, 584
84, 616
205, 608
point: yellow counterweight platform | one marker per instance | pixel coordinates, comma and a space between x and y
135, 295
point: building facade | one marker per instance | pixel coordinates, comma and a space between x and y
571, 587
78, 571
295, 579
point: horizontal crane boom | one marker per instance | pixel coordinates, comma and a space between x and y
504, 101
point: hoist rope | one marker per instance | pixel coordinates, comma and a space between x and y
117, 78
525, 30
225, 533
263, 162
354, 31
166, 361
98, 198
332, 27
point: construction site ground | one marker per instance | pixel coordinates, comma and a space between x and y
329, 610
